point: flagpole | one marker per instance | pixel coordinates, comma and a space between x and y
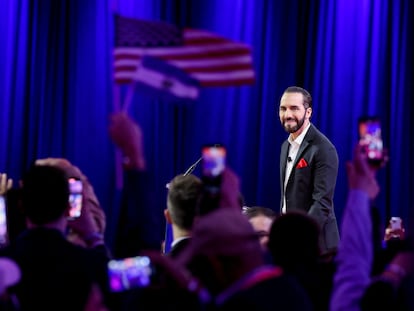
130, 91
128, 97
118, 154
117, 108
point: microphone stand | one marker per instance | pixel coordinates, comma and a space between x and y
192, 167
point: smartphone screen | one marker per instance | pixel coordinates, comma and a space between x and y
396, 223
369, 129
214, 160
3, 221
75, 197
212, 166
129, 273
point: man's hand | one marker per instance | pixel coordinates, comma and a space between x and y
5, 183
84, 229
230, 190
361, 176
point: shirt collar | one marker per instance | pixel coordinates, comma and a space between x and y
178, 240
300, 138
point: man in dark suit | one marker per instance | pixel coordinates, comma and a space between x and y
308, 167
184, 192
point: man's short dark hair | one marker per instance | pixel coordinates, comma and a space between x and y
183, 195
294, 238
45, 194
307, 98
255, 211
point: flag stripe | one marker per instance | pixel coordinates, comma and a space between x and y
200, 75
244, 61
189, 51
221, 83
216, 83
206, 79
225, 83
216, 68
222, 68
209, 58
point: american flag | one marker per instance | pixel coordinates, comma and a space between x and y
210, 59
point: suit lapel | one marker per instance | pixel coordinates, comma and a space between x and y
283, 159
305, 143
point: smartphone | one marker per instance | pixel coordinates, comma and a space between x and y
369, 129
3, 221
212, 166
213, 160
128, 273
396, 223
75, 197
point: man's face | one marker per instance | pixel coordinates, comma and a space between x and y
262, 225
292, 113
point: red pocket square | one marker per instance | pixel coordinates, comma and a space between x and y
302, 163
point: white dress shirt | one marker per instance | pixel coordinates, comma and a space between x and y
293, 152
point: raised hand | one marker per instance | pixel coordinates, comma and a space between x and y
5, 183
127, 136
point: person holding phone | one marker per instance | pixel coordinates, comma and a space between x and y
87, 219
308, 167
52, 267
5, 185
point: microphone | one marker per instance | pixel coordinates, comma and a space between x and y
188, 171
192, 167
289, 159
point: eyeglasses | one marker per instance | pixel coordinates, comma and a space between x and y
245, 209
262, 234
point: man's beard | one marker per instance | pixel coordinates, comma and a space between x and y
293, 129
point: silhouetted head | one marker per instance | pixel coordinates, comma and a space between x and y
294, 240
224, 247
261, 219
182, 199
45, 194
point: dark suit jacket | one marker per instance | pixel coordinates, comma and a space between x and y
311, 188
178, 247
